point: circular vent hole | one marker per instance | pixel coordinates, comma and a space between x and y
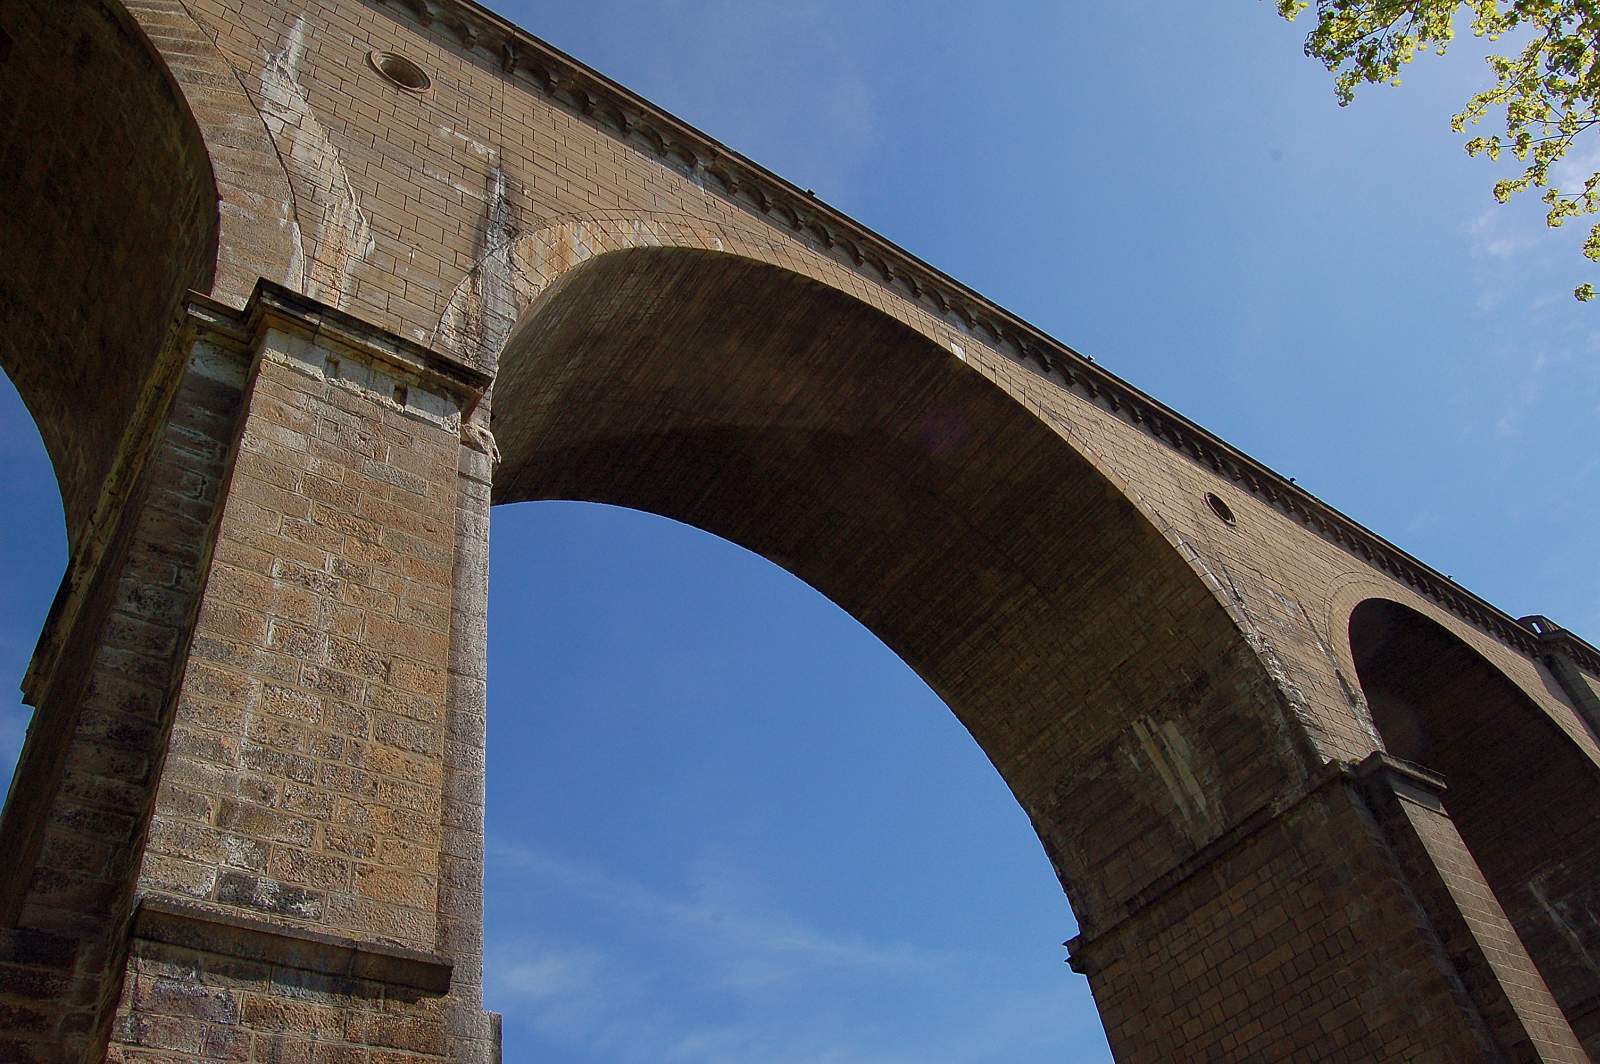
1223, 511
400, 70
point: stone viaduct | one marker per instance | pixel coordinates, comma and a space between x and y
297, 289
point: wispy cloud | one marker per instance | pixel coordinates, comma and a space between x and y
751, 944
1524, 398
1571, 172
543, 974
1534, 371
741, 979
1495, 235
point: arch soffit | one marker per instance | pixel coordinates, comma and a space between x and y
253, 230
82, 345
1531, 680
1082, 600
496, 295
544, 260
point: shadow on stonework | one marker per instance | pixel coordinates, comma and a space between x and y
1518, 789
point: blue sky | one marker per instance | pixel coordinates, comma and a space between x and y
726, 824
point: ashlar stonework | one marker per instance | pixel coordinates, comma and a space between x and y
324, 309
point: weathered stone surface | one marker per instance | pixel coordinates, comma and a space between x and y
248, 821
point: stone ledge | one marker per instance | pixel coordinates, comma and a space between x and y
1408, 781
273, 305
175, 922
1557, 640
1376, 774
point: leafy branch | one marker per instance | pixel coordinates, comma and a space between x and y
1549, 90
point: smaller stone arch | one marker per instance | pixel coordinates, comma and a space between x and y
1532, 677
1518, 788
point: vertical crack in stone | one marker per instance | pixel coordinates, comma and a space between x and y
341, 236
479, 318
494, 287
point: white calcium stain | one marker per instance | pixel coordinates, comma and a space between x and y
495, 285
1171, 756
477, 147
1561, 917
341, 236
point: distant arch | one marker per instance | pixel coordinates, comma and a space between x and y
1093, 665
1520, 791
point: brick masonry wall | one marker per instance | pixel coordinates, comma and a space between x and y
306, 778
1495, 969
1392, 949
1439, 705
413, 198
96, 748
252, 196
1311, 953
474, 1034
306, 783
326, 759
185, 1005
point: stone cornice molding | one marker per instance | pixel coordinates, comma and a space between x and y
198, 926
722, 171
274, 306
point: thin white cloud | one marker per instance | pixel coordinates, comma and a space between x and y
1494, 236
1536, 368
542, 975
1571, 172
608, 1008
749, 943
736, 965
1523, 400
579, 995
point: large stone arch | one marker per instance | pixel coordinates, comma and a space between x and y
110, 217
1518, 788
1091, 663
256, 769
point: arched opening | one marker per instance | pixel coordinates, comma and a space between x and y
1520, 793
1089, 662
108, 210
33, 547
726, 823
109, 213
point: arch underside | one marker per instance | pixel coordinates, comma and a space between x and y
1091, 664
109, 216
1520, 792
